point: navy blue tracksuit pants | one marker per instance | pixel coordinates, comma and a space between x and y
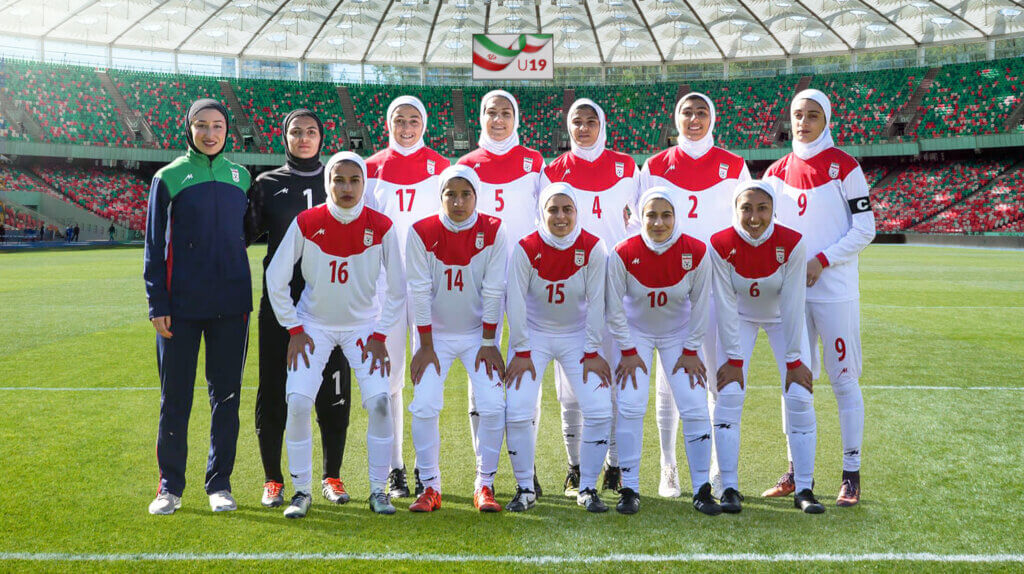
227, 340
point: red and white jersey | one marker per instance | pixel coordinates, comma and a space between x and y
705, 186
825, 198
763, 284
654, 295
341, 263
558, 292
456, 279
604, 188
510, 185
404, 188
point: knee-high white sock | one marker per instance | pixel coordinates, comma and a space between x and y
851, 420
521, 447
572, 431
714, 473
380, 438
697, 436
298, 438
593, 449
629, 434
613, 447
492, 432
803, 434
426, 437
398, 430
474, 421
668, 423
785, 430
726, 422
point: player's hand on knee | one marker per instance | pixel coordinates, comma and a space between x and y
162, 326
599, 367
490, 356
814, 269
627, 370
694, 367
378, 354
801, 376
729, 373
518, 367
297, 347
423, 358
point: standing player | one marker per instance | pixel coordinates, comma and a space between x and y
199, 287
344, 247
402, 185
275, 199
456, 264
703, 177
823, 195
605, 183
658, 293
759, 276
556, 313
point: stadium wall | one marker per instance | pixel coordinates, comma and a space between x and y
92, 226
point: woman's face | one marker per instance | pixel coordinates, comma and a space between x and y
407, 125
303, 137
584, 126
694, 119
346, 184
560, 215
209, 130
754, 208
659, 219
499, 118
808, 121
458, 200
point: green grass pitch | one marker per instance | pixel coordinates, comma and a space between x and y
942, 463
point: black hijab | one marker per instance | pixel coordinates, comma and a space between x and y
307, 165
193, 111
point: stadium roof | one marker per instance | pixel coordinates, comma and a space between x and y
438, 33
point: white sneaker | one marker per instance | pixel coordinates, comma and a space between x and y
669, 485
299, 506
165, 503
717, 487
222, 501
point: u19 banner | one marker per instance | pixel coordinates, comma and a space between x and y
513, 57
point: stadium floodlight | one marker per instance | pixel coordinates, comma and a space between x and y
812, 34
942, 21
875, 28
751, 38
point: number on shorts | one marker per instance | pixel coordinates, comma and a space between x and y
841, 348
658, 298
754, 291
337, 382
556, 295
801, 201
339, 273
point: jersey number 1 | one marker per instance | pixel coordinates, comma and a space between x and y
309, 197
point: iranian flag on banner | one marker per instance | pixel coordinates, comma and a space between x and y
495, 57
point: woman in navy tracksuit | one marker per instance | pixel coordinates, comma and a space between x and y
198, 285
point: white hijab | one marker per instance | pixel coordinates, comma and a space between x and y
659, 192
466, 173
762, 186
506, 145
696, 149
560, 243
392, 142
591, 152
824, 141
342, 214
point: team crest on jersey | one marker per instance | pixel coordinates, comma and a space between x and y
833, 170
687, 261
723, 170
234, 175
430, 166
368, 237
780, 254
480, 240
579, 258
527, 164
620, 168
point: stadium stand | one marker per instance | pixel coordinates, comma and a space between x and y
747, 109
113, 194
268, 101
540, 110
873, 175
987, 210
635, 114
863, 103
972, 99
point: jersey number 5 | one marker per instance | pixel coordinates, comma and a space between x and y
401, 193
498, 201
556, 295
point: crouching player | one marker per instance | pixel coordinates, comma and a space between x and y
759, 268
456, 263
658, 295
343, 247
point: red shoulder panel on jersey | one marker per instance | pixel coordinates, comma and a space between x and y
598, 175
660, 271
695, 174
401, 169
339, 239
755, 262
557, 264
498, 169
829, 165
453, 248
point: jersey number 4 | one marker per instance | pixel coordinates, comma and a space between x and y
402, 193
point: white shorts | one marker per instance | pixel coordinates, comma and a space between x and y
563, 388
632, 402
567, 350
748, 332
838, 326
428, 395
306, 381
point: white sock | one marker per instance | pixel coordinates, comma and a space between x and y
398, 430
492, 433
474, 421
803, 434
613, 446
426, 437
851, 420
697, 436
299, 442
629, 432
521, 446
572, 431
714, 473
379, 440
593, 449
728, 411
668, 423
785, 432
